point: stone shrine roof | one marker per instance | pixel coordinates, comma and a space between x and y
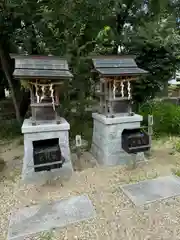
117, 66
41, 67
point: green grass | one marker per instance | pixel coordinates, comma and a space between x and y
46, 236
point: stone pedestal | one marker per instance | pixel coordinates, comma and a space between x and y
106, 143
45, 130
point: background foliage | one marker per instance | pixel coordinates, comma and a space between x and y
78, 29
166, 117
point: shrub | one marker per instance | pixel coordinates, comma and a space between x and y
166, 117
81, 125
177, 146
2, 164
176, 172
9, 129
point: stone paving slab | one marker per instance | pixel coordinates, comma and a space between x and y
44, 217
152, 190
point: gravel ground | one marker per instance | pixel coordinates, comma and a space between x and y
117, 218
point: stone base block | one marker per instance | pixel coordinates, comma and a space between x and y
106, 142
45, 130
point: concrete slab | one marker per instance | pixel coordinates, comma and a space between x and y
45, 217
152, 190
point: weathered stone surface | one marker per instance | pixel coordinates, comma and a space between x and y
44, 126
119, 119
107, 132
44, 217
40, 132
153, 190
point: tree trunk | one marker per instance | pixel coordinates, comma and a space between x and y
4, 58
24, 103
2, 92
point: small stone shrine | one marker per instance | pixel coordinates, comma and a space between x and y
117, 133
46, 134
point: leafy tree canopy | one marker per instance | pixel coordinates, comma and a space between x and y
76, 29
